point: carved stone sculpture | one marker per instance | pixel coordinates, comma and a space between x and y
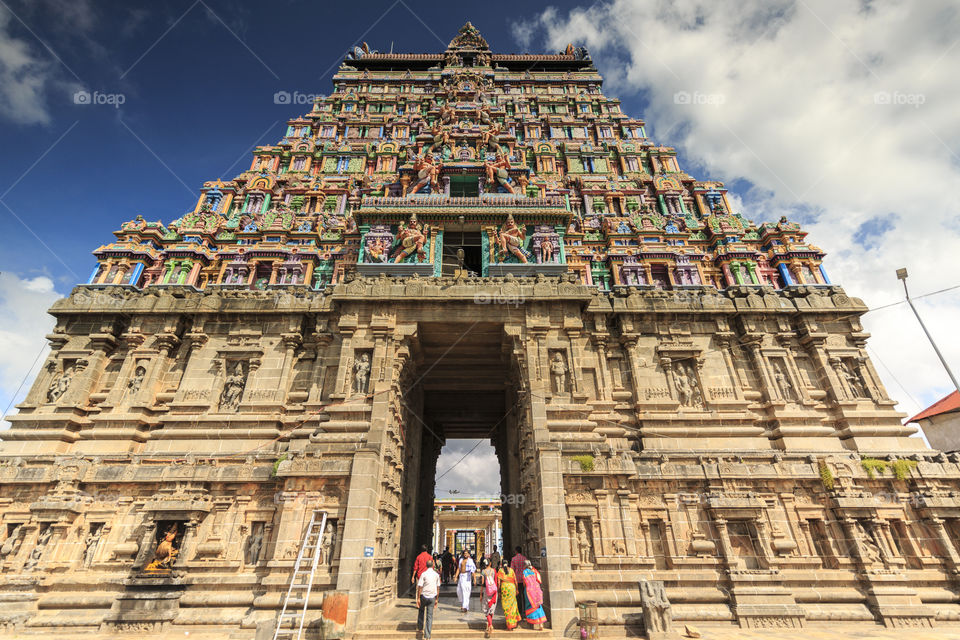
361, 374
90, 545
37, 552
137, 380
233, 389
870, 548
326, 545
656, 608
60, 384
783, 383
559, 370
12, 543
255, 545
166, 552
583, 543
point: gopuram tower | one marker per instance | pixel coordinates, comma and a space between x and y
465, 244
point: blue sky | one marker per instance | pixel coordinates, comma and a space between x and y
836, 113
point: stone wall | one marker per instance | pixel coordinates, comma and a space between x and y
736, 445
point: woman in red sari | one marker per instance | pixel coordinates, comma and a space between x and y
507, 580
533, 597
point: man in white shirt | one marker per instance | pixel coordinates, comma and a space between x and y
428, 595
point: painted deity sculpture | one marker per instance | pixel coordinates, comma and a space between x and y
410, 240
510, 239
166, 553
427, 173
498, 174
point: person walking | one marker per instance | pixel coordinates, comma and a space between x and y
420, 563
507, 580
428, 596
495, 559
447, 563
464, 580
517, 563
533, 597
488, 597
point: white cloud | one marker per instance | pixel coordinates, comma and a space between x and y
840, 114
478, 474
24, 323
25, 77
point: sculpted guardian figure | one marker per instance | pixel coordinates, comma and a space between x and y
510, 239
233, 389
559, 370
656, 608
362, 374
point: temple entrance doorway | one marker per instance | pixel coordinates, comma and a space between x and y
462, 469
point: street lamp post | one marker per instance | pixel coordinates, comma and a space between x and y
902, 275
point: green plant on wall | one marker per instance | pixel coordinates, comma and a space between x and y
902, 468
826, 476
276, 465
586, 462
872, 466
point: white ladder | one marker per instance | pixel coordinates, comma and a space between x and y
301, 582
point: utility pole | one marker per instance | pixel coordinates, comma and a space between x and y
902, 275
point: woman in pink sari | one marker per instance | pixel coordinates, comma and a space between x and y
533, 597
488, 597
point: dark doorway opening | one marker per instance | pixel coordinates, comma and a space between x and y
469, 242
463, 383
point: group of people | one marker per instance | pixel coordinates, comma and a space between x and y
515, 584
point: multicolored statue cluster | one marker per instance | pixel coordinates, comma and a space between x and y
411, 151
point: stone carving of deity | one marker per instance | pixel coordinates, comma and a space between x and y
656, 608
90, 545
137, 380
851, 379
12, 544
326, 545
361, 374
688, 389
583, 543
37, 553
559, 370
166, 552
783, 383
233, 389
60, 384
868, 544
255, 545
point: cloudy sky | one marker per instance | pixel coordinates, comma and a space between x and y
836, 113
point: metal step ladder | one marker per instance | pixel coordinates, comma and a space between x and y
290, 623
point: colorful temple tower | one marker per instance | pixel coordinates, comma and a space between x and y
451, 245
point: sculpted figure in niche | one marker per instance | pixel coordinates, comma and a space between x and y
90, 544
656, 607
12, 544
584, 543
684, 391
255, 543
410, 239
510, 239
786, 389
137, 380
233, 389
326, 545
37, 553
546, 250
559, 370
60, 384
850, 378
166, 552
869, 546
361, 374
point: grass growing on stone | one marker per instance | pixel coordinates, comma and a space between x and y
586, 462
